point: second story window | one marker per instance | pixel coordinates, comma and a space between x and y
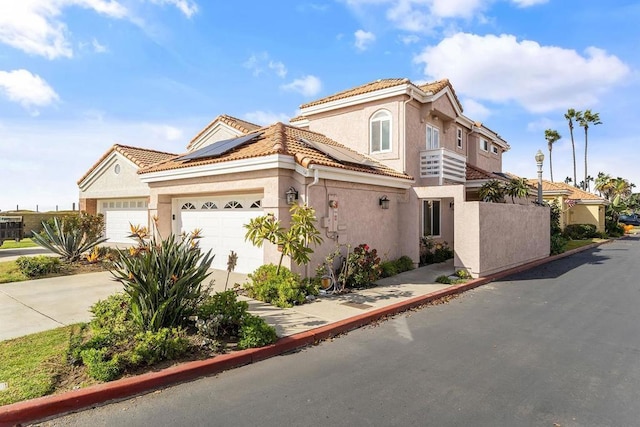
380, 132
494, 149
459, 138
433, 137
484, 145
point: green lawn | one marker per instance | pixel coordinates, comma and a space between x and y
31, 366
9, 272
573, 244
12, 244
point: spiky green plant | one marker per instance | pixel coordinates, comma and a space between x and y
68, 242
163, 278
492, 191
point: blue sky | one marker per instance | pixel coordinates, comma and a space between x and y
77, 76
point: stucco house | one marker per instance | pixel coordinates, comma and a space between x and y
383, 163
577, 206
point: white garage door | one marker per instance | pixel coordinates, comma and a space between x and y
221, 220
119, 214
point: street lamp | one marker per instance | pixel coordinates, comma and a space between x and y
539, 160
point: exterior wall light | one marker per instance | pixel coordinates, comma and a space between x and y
384, 202
291, 195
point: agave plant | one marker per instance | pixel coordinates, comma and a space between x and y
163, 278
68, 242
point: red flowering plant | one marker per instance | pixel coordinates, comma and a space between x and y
363, 266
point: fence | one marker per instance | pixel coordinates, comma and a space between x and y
38, 208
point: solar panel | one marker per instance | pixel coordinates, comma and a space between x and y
220, 147
340, 154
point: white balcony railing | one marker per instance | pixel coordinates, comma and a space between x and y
443, 164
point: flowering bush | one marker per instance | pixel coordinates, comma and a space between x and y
432, 252
363, 267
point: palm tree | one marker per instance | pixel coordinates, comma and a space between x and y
588, 180
602, 183
568, 180
552, 136
570, 115
492, 191
584, 119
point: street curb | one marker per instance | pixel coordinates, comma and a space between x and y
48, 406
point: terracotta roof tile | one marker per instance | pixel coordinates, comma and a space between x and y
561, 187
474, 173
428, 88
282, 139
241, 125
142, 157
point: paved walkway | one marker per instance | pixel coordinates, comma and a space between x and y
38, 305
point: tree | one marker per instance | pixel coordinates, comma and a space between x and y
293, 242
601, 184
517, 187
552, 136
568, 180
584, 119
571, 115
492, 191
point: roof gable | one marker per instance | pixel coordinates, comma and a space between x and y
220, 128
564, 189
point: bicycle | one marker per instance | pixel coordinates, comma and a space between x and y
335, 279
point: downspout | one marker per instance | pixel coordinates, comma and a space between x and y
316, 179
404, 131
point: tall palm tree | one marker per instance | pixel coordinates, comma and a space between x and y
584, 119
552, 136
602, 184
570, 115
568, 180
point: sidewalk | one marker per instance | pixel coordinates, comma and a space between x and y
38, 305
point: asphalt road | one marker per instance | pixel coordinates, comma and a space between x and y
555, 346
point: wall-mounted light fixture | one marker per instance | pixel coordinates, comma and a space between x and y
291, 195
384, 202
451, 204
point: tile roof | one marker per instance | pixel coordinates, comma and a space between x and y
241, 125
142, 157
428, 88
287, 140
563, 188
474, 173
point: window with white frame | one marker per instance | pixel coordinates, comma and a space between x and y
433, 137
484, 145
459, 137
494, 149
380, 132
431, 218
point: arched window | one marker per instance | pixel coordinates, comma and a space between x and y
380, 132
209, 205
233, 205
256, 205
188, 206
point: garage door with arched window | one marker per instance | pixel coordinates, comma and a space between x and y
221, 221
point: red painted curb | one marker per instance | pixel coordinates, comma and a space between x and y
49, 406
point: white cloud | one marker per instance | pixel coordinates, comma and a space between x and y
27, 89
187, 7
540, 78
307, 85
97, 47
165, 132
410, 39
363, 39
528, 3
266, 117
475, 110
258, 63
35, 26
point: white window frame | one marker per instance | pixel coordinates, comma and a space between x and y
484, 144
459, 134
432, 137
428, 207
494, 149
375, 124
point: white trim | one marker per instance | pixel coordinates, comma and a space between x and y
484, 131
439, 216
494, 149
337, 174
388, 117
102, 167
480, 143
459, 138
274, 161
197, 143
303, 123
434, 130
402, 89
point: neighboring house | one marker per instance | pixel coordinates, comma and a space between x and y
577, 206
384, 164
112, 187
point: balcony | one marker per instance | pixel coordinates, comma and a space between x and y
444, 165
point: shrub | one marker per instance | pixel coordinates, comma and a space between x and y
220, 315
162, 279
363, 266
283, 289
444, 279
388, 268
558, 244
255, 332
463, 274
613, 228
100, 366
39, 265
432, 252
580, 231
152, 347
404, 263
66, 240
85, 223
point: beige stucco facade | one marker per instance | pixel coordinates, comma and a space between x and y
583, 212
115, 178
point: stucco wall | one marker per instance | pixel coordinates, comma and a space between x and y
108, 184
492, 237
587, 214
